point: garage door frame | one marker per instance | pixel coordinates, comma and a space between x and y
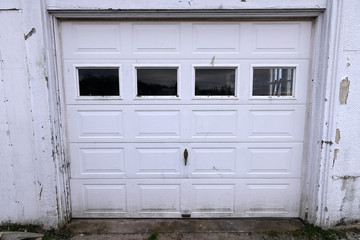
319, 112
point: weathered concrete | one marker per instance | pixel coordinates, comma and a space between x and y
20, 235
181, 236
144, 226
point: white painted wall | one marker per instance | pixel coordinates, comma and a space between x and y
18, 188
343, 187
33, 169
32, 172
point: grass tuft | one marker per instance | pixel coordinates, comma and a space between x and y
153, 236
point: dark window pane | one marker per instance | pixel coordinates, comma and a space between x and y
156, 82
99, 81
273, 81
214, 82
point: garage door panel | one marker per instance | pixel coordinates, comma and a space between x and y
89, 201
97, 160
273, 123
213, 162
159, 198
272, 198
216, 37
157, 124
287, 37
158, 162
272, 160
214, 124
104, 40
217, 198
90, 38
91, 124
156, 38
200, 198
273, 40
186, 67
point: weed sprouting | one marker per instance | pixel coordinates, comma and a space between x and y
153, 236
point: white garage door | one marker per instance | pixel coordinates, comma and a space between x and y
185, 118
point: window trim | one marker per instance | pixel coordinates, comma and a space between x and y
295, 82
156, 66
236, 67
76, 67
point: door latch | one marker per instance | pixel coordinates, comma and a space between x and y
186, 155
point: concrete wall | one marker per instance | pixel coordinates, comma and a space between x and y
33, 168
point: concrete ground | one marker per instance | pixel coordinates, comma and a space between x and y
191, 229
187, 229
205, 229
140, 229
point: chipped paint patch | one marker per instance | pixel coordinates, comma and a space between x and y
212, 61
337, 136
336, 151
344, 90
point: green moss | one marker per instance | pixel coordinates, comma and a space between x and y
311, 232
153, 236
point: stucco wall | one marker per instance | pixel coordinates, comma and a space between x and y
33, 168
343, 195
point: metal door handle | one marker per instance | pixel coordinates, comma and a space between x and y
186, 154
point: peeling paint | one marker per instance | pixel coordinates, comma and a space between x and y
344, 90
337, 136
336, 151
32, 31
212, 61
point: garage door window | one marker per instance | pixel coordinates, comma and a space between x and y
98, 81
273, 81
215, 82
156, 82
